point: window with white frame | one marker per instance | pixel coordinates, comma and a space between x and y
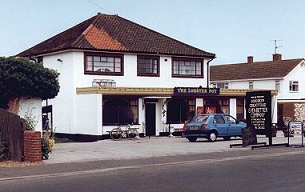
223, 85
293, 86
250, 85
103, 64
187, 67
277, 85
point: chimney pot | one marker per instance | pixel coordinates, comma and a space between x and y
250, 59
277, 57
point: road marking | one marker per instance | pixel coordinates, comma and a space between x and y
213, 160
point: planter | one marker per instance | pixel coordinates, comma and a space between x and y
32, 146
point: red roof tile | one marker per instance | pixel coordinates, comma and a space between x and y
255, 70
114, 33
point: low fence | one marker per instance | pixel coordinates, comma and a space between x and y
11, 133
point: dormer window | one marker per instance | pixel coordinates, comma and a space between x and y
103, 64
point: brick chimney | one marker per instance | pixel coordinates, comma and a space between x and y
277, 57
250, 59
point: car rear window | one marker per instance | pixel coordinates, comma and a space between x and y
201, 118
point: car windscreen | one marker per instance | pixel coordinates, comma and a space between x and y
200, 118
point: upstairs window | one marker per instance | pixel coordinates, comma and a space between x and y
293, 86
104, 64
250, 85
148, 66
187, 68
223, 85
277, 85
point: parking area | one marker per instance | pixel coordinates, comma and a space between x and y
149, 147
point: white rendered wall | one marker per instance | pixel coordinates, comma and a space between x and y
199, 103
233, 107
64, 102
67, 110
31, 106
257, 84
130, 78
88, 114
296, 74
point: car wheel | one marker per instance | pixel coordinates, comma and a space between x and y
192, 139
212, 136
227, 138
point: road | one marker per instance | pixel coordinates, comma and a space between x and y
271, 169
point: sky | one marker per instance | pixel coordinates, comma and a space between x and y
232, 29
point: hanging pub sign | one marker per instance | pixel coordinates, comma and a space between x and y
196, 91
258, 111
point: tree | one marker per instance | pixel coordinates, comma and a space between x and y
21, 77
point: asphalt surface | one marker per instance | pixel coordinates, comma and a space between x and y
81, 157
149, 147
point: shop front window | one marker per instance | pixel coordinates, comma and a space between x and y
240, 109
120, 111
217, 106
179, 110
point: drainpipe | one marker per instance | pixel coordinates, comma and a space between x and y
208, 72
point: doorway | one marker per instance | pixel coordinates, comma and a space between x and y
150, 119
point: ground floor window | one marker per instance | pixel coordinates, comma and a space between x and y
180, 110
217, 106
120, 111
240, 109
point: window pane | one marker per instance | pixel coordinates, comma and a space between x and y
277, 85
294, 86
120, 111
147, 65
178, 111
104, 64
187, 68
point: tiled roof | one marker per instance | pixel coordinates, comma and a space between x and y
114, 33
255, 70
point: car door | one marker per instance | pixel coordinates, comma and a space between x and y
220, 124
234, 128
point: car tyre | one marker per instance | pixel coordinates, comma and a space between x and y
192, 139
212, 136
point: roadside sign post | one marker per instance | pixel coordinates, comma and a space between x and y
296, 125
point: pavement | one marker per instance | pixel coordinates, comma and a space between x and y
149, 147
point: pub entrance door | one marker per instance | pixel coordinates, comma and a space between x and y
150, 119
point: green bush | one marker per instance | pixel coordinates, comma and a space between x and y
45, 148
